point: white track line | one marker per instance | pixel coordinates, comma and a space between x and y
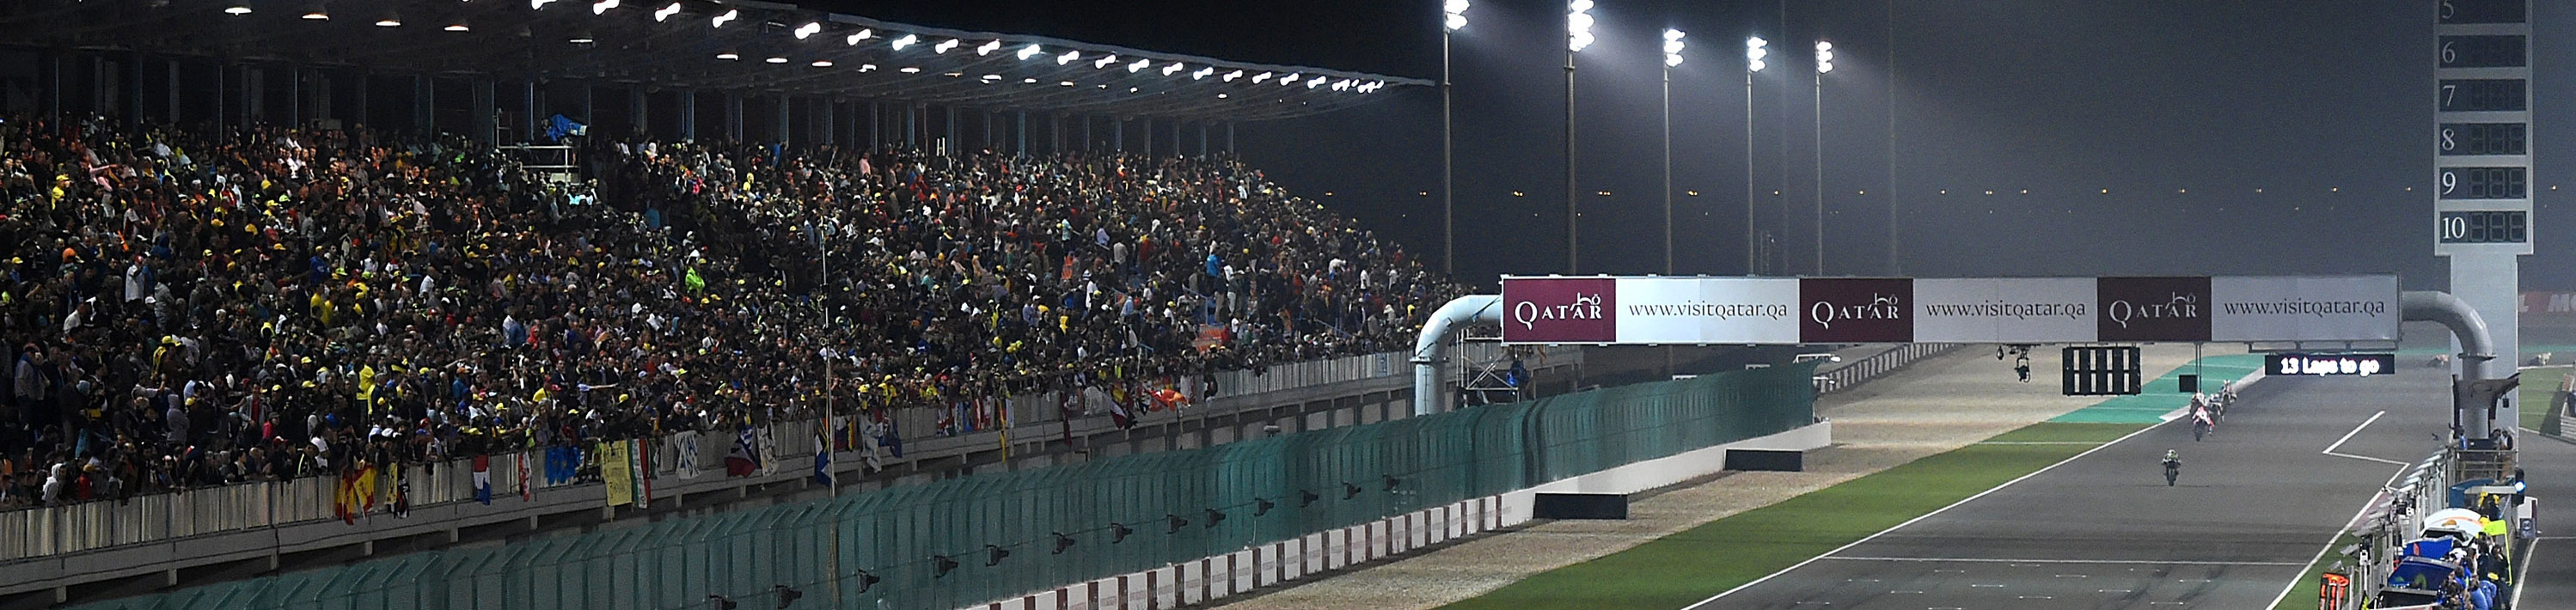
1928, 515
2330, 449
2138, 562
2302, 577
2522, 582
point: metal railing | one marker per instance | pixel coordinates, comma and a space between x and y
1879, 365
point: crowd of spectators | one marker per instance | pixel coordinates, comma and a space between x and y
189, 309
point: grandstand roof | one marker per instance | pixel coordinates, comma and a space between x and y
666, 44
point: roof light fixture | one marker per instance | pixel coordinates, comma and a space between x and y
389, 21
867, 67
317, 13
906, 41
1454, 15
238, 7
1578, 25
1139, 66
602, 6
1291, 78
988, 48
1203, 73
1169, 70
1230, 76
1069, 56
728, 15
538, 4
1104, 62
581, 39
458, 26
1064, 83
942, 48
1028, 81
728, 55
822, 63
1031, 51
1312, 83
910, 70
862, 34
809, 29
776, 59
1257, 78
665, 13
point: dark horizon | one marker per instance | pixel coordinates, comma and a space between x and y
2232, 138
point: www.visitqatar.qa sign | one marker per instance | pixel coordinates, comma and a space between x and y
1654, 310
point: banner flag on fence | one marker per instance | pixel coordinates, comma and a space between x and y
688, 450
483, 479
643, 452
613, 474
527, 492
562, 464
744, 458
822, 460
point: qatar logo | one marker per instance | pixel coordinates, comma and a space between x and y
1879, 307
1584, 307
2180, 306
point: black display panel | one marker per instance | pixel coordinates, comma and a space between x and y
2498, 51
2482, 95
2482, 182
2483, 11
2485, 139
2483, 227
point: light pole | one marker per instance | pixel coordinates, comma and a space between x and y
1578, 34
1672, 57
1453, 18
1824, 64
1753, 54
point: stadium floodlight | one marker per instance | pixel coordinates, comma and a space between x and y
729, 55
317, 13
863, 68
601, 7
1754, 51
1578, 25
910, 70
905, 41
988, 48
390, 20
808, 30
777, 59
1139, 66
1030, 51
1342, 85
237, 7
1068, 57
992, 78
1221, 96
1203, 73
944, 47
581, 38
728, 15
1291, 78
665, 13
458, 26
822, 63
1824, 57
1454, 15
1312, 83
1104, 62
1230, 76
1257, 78
863, 34
1672, 47
1169, 70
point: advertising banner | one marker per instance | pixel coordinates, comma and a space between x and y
1707, 310
1856, 310
2152, 309
1559, 310
2304, 308
2005, 310
2548, 303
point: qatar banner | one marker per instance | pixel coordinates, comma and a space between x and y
2005, 310
2304, 308
1786, 311
1708, 310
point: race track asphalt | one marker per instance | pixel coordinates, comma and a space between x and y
2256, 502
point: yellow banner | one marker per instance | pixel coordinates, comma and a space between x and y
614, 470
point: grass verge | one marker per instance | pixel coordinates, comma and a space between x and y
2304, 595
1686, 567
2537, 386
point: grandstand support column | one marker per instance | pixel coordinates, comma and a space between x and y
589, 97
51, 67
826, 131
638, 112
950, 128
912, 128
733, 116
1055, 132
254, 98
535, 106
99, 93
1229, 137
1146, 125
365, 82
687, 114
1203, 151
1117, 135
1022, 132
134, 104
785, 122
486, 111
170, 68
987, 136
218, 115
294, 96
424, 104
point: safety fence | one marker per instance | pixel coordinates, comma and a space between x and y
1878, 365
47, 531
972, 539
2394, 518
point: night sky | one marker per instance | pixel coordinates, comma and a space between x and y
2232, 137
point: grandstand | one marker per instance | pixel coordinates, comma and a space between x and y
287, 281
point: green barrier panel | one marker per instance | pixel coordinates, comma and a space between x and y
1355, 474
